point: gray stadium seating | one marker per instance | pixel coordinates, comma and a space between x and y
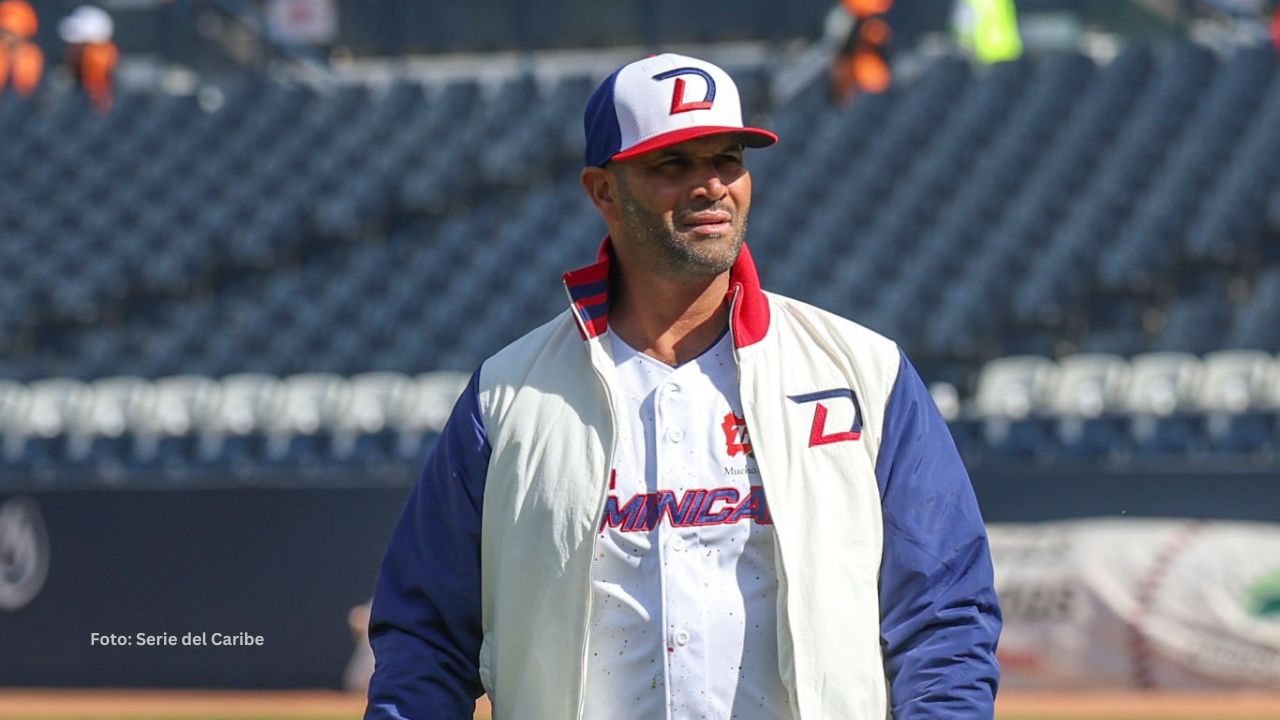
1085, 254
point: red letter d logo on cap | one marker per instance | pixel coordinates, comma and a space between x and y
678, 104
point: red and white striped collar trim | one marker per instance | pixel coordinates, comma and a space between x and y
589, 291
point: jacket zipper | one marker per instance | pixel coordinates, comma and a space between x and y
733, 341
737, 361
595, 535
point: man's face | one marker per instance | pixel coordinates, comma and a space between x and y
683, 210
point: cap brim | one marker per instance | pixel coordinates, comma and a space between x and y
751, 137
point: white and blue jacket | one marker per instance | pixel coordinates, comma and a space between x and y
886, 604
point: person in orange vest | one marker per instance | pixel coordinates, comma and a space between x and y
861, 64
91, 55
94, 65
21, 62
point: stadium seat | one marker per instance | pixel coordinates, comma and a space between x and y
1176, 434
1243, 433
1025, 437
247, 401
375, 397
311, 402
1087, 402
104, 457
428, 405
301, 451
1235, 381
1088, 385
174, 456
118, 404
181, 403
1091, 438
240, 454
1239, 400
1014, 387
54, 402
1161, 401
1161, 383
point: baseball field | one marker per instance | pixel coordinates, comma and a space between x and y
201, 705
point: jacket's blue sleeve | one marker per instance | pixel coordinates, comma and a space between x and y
425, 624
939, 619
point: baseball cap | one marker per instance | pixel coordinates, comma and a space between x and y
661, 101
87, 24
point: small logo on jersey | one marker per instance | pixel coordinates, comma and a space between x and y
818, 432
678, 103
736, 439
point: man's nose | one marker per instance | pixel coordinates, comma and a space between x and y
710, 185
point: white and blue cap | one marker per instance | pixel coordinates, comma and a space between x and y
660, 101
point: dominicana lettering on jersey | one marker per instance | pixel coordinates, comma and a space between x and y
694, 508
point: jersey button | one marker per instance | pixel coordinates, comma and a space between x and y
678, 543
682, 637
675, 435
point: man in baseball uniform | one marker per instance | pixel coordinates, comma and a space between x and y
685, 497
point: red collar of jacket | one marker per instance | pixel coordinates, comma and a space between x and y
589, 290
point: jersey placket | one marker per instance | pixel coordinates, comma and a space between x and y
626, 667
680, 464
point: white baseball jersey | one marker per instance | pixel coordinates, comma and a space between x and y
684, 587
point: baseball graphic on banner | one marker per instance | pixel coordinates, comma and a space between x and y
1141, 604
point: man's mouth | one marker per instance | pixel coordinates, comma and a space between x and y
709, 223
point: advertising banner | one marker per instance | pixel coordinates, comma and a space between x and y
1139, 604
236, 587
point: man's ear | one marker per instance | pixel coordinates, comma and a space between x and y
601, 186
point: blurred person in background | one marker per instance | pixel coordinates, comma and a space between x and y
1275, 25
987, 30
91, 55
303, 23
21, 62
355, 678
861, 64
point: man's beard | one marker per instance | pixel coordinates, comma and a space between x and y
670, 255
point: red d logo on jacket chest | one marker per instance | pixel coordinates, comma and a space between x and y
819, 434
